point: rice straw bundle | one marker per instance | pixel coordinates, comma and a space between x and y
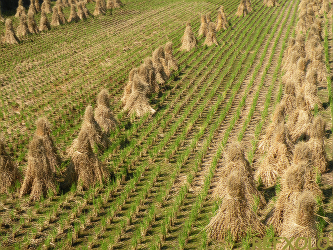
301, 223
20, 10
325, 8
96, 136
248, 5
318, 64
10, 36
289, 97
32, 26
103, 114
65, 3
62, 17
235, 215
299, 74
9, 173
316, 144
43, 132
242, 10
32, 7
55, 17
188, 39
298, 124
99, 10
203, 30
46, 7
277, 159
116, 4
292, 185
147, 75
277, 117
311, 95
271, 3
211, 35
73, 17
301, 25
22, 29
138, 103
37, 5
85, 169
44, 24
80, 11
170, 61
2, 19
234, 159
158, 60
222, 22
85, 10
128, 87
39, 177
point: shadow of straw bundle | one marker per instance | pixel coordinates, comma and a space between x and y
234, 159
96, 137
188, 39
103, 114
85, 169
293, 182
242, 9
43, 132
301, 223
10, 36
211, 35
277, 159
316, 144
9, 173
235, 215
39, 177
138, 103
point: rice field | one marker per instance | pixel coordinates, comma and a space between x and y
163, 167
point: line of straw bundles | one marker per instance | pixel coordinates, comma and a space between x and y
158, 60
301, 223
138, 103
73, 17
103, 114
85, 168
188, 39
10, 36
9, 173
39, 177
170, 62
44, 24
211, 35
277, 159
99, 10
234, 159
242, 10
203, 30
96, 136
235, 214
22, 30
32, 26
222, 22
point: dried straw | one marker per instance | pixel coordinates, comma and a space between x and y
85, 169
138, 103
55, 17
32, 7
272, 3
85, 10
158, 61
188, 39
9, 173
117, 4
20, 11
2, 19
44, 24
10, 36
32, 26
37, 5
80, 11
39, 177
22, 30
301, 223
99, 10
73, 17
46, 7
62, 17
170, 62
203, 30
235, 215
128, 87
103, 114
222, 22
242, 10
248, 5
211, 35
289, 97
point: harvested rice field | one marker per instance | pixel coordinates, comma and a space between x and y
166, 124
